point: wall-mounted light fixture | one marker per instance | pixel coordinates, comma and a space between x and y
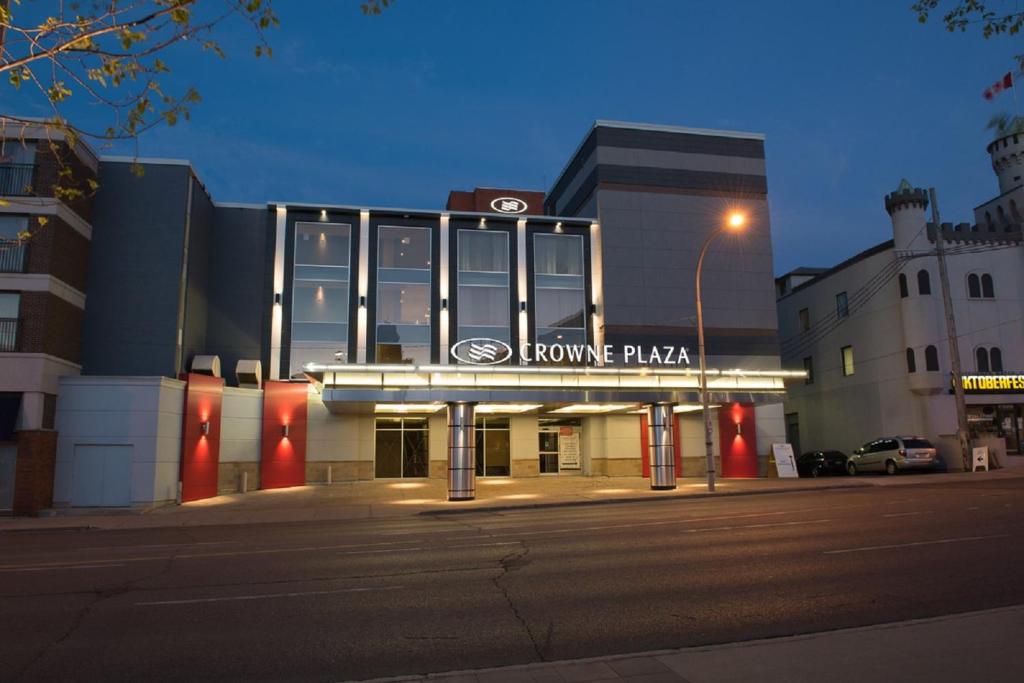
558, 226
323, 213
285, 431
522, 307
483, 223
277, 298
362, 302
444, 304
739, 429
204, 428
593, 309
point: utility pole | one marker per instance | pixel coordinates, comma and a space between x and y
954, 344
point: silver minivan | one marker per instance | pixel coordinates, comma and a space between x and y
893, 454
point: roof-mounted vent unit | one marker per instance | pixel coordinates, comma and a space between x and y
249, 374
206, 365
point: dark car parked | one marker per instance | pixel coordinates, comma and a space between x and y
821, 463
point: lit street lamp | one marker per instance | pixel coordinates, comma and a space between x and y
734, 223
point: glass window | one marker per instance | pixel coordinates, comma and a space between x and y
11, 225
847, 357
995, 356
981, 356
13, 151
560, 298
493, 447
805, 319
924, 283
401, 247
403, 295
988, 289
973, 286
931, 359
842, 305
904, 293
809, 369
320, 293
911, 361
483, 285
9, 303
401, 448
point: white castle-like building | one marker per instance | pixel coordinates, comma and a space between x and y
871, 331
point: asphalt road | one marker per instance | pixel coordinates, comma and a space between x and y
332, 601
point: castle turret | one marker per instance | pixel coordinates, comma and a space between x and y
1007, 154
918, 288
906, 206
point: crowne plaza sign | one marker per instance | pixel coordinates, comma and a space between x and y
993, 384
485, 351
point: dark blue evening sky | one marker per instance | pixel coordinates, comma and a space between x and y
397, 110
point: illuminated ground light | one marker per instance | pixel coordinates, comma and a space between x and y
407, 485
519, 496
494, 482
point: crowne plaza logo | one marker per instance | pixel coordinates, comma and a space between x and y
481, 351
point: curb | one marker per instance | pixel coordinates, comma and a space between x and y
707, 647
641, 499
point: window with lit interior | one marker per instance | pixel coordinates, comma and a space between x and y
559, 289
320, 294
403, 295
483, 285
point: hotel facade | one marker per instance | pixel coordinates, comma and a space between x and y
215, 347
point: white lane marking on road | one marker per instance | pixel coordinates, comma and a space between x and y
910, 514
939, 541
376, 552
79, 566
421, 549
157, 545
773, 525
974, 507
264, 596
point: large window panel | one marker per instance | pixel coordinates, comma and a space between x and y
559, 289
320, 293
483, 285
403, 294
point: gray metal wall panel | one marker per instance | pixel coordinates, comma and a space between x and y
241, 287
134, 270
200, 250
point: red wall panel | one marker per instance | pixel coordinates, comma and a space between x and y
283, 458
739, 447
645, 457
200, 453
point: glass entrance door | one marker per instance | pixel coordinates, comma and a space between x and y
401, 447
559, 445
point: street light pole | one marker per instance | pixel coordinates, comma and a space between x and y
735, 222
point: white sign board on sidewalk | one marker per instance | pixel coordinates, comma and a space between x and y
569, 452
785, 463
980, 458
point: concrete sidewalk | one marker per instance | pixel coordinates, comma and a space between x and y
389, 498
976, 646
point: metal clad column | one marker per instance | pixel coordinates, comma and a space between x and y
660, 446
461, 451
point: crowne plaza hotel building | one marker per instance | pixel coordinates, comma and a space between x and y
158, 344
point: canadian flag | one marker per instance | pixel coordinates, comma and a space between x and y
999, 86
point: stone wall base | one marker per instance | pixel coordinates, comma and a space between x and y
341, 470
623, 467
229, 476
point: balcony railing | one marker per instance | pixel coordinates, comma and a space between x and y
15, 180
9, 334
13, 256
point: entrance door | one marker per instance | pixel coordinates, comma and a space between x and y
401, 447
559, 445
